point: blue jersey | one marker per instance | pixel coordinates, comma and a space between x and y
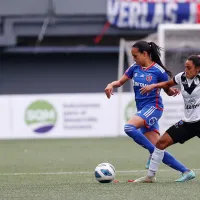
145, 76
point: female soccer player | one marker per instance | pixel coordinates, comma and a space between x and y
185, 129
143, 126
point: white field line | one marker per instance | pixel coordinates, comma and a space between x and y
64, 173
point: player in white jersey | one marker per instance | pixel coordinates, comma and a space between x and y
186, 128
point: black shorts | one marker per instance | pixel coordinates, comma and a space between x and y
184, 131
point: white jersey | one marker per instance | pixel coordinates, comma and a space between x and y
190, 90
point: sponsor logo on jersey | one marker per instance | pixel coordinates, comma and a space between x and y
191, 106
139, 84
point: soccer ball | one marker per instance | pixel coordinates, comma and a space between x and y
104, 173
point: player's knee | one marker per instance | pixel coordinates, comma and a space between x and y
130, 130
161, 144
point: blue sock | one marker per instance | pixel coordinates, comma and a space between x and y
173, 163
140, 139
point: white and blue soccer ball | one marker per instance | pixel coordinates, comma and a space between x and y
105, 173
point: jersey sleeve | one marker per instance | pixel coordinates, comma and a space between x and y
130, 71
177, 78
163, 76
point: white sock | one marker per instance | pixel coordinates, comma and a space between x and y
156, 159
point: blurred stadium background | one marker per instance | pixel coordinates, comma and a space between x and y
56, 57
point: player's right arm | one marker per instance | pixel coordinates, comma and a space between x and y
115, 84
127, 75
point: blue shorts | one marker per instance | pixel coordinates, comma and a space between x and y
150, 115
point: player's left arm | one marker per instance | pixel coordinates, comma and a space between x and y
171, 91
163, 77
166, 85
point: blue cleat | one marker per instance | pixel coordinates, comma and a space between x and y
148, 163
186, 176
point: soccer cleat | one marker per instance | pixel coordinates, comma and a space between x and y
186, 176
145, 179
148, 163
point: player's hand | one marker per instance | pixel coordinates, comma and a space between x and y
147, 89
109, 91
175, 91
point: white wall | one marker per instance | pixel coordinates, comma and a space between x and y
74, 115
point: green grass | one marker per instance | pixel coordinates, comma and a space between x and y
23, 164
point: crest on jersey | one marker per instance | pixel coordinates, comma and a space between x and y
152, 121
148, 78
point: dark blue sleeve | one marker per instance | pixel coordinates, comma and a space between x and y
129, 72
162, 77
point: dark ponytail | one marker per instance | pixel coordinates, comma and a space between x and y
154, 52
155, 56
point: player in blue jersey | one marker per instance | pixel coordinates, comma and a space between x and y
143, 127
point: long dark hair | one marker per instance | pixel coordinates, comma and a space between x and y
154, 52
